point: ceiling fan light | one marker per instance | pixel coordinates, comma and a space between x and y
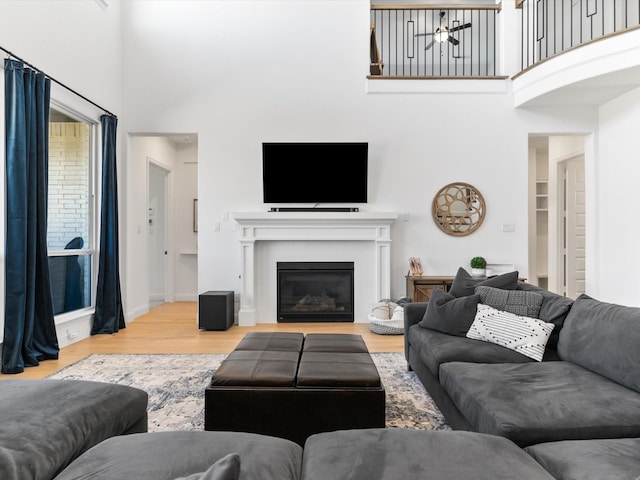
441, 35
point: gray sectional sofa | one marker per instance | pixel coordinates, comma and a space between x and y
72, 430
46, 424
566, 408
367, 454
583, 398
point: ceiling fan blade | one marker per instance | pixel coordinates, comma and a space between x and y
460, 27
453, 40
422, 34
430, 45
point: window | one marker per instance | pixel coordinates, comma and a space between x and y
70, 228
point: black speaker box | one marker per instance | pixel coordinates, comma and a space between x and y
215, 310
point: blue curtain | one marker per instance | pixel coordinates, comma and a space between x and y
29, 328
109, 316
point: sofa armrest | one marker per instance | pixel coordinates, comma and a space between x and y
413, 313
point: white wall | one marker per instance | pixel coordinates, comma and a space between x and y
240, 73
616, 181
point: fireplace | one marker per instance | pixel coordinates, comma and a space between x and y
315, 292
270, 237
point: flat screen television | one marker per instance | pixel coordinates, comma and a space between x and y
315, 172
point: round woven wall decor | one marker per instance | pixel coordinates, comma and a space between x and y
458, 209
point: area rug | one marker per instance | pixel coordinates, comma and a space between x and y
176, 383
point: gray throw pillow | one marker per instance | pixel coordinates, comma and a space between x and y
448, 314
520, 302
464, 284
555, 309
227, 468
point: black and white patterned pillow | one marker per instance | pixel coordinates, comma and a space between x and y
528, 336
520, 302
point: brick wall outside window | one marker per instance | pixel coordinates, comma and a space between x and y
68, 214
68, 183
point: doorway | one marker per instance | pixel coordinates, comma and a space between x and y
158, 233
557, 213
163, 171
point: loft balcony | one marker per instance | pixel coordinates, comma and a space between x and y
433, 41
554, 51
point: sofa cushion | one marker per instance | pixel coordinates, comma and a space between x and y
167, 455
448, 314
520, 302
392, 454
435, 348
613, 459
604, 338
227, 468
541, 401
554, 309
464, 284
54, 421
524, 335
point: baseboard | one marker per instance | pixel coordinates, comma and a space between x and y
131, 315
186, 297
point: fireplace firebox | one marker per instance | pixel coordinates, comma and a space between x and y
315, 292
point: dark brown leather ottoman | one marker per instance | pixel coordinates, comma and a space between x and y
334, 342
330, 383
277, 341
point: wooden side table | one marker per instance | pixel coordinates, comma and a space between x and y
419, 287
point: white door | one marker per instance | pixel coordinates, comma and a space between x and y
157, 225
574, 226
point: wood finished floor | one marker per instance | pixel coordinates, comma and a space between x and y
172, 328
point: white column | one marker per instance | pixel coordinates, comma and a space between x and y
248, 315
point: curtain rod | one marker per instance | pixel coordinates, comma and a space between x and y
11, 54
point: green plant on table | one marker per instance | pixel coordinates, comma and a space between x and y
478, 262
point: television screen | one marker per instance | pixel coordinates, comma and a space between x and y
315, 172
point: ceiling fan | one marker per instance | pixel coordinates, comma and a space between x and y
443, 33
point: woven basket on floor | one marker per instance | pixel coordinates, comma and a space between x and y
386, 327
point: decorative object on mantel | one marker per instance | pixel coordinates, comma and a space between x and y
415, 266
458, 209
478, 267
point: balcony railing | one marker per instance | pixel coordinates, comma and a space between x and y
550, 27
430, 41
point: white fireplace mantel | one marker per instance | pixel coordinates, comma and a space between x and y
255, 227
